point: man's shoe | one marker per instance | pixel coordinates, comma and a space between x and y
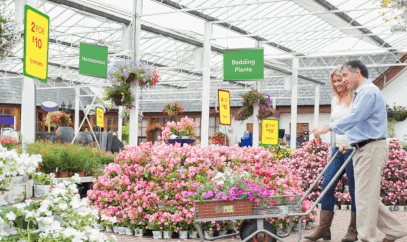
387, 240
352, 234
324, 228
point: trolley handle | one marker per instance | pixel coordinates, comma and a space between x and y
332, 181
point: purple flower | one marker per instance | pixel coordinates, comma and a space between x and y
218, 195
185, 194
196, 184
206, 195
247, 182
231, 197
224, 197
251, 197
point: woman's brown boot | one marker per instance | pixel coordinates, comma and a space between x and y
352, 234
324, 228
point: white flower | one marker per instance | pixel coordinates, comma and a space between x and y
11, 216
63, 206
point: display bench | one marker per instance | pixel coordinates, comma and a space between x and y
84, 179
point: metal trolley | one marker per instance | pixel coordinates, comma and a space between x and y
255, 226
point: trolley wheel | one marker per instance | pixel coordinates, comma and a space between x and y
251, 227
242, 225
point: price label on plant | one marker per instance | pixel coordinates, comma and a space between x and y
99, 117
224, 107
36, 35
269, 131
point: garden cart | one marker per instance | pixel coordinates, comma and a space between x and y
255, 227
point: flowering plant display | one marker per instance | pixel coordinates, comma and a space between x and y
228, 186
122, 70
398, 113
398, 10
62, 214
186, 127
10, 35
58, 118
173, 109
218, 138
249, 99
9, 143
13, 164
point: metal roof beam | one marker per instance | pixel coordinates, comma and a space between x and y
353, 22
225, 25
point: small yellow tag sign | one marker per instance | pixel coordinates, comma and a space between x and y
269, 131
224, 107
100, 117
36, 35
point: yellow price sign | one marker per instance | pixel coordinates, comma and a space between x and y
36, 36
224, 107
99, 117
269, 131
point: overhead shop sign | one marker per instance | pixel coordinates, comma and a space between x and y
224, 107
36, 36
269, 131
93, 60
243, 64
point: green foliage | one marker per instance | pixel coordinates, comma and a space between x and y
120, 90
404, 145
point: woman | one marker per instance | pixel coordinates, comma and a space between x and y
341, 105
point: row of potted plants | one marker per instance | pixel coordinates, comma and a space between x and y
184, 129
159, 175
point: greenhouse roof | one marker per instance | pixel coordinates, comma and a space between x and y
172, 36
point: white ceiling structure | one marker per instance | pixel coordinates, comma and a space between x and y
172, 37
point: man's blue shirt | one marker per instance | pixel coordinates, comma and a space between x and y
367, 118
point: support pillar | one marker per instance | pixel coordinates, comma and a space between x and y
77, 100
256, 131
294, 96
120, 129
316, 107
28, 112
134, 86
206, 85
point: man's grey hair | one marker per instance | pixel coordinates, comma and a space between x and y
353, 65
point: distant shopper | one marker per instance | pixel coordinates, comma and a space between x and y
366, 130
340, 107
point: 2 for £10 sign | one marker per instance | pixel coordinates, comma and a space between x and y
36, 35
224, 107
269, 131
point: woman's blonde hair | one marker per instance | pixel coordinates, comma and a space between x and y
337, 71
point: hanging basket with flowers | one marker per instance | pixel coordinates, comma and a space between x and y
173, 109
10, 35
58, 119
249, 99
129, 71
120, 94
218, 138
397, 13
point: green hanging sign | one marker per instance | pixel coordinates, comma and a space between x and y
243, 64
93, 60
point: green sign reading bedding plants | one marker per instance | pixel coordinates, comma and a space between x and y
243, 64
93, 60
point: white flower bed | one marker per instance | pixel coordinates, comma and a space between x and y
61, 216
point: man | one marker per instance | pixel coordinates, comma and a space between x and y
366, 129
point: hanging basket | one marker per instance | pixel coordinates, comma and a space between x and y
131, 78
118, 100
172, 113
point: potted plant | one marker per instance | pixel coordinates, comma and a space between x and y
188, 127
58, 119
9, 143
173, 109
156, 225
120, 94
208, 229
183, 233
10, 35
193, 231
42, 183
344, 201
218, 138
224, 225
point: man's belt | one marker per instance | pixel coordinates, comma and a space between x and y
363, 143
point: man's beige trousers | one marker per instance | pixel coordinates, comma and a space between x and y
368, 165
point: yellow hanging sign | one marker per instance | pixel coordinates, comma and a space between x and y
224, 107
36, 36
100, 117
269, 131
